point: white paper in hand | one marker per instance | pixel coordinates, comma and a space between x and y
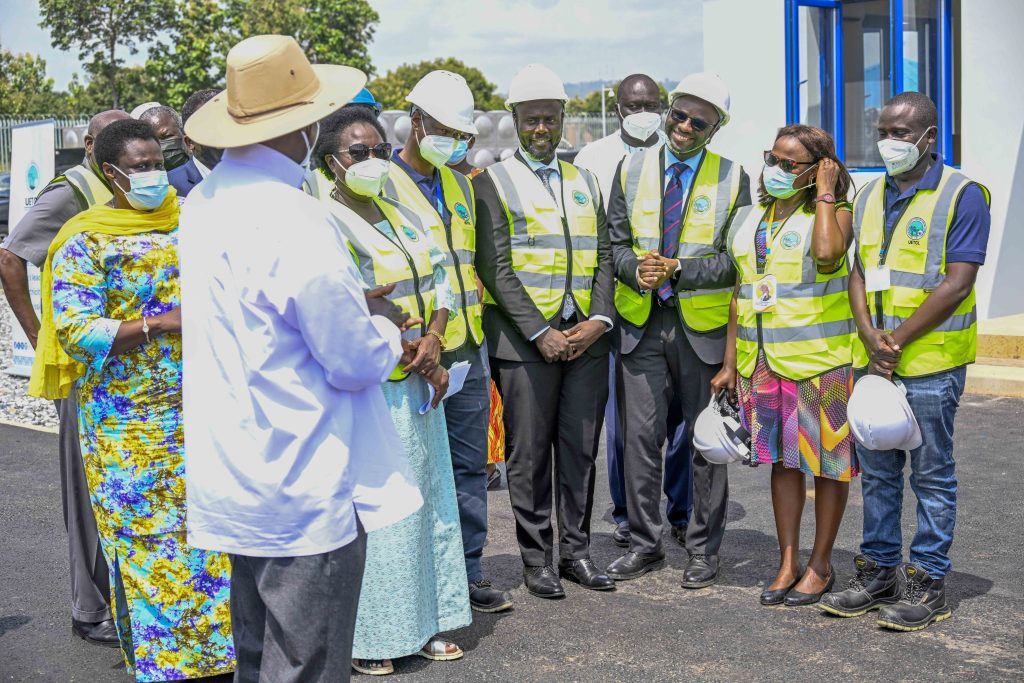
456, 378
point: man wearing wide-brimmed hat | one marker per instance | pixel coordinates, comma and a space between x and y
291, 453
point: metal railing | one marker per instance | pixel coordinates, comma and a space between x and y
66, 135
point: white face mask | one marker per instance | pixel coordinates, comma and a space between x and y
437, 150
366, 178
641, 125
309, 145
900, 156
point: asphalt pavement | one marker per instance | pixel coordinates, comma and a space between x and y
649, 629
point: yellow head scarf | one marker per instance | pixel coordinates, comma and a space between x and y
54, 370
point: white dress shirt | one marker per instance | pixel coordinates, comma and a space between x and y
601, 157
555, 180
287, 433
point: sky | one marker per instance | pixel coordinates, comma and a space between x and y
581, 40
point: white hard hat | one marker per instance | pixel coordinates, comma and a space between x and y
880, 417
719, 437
535, 82
143, 108
445, 97
708, 87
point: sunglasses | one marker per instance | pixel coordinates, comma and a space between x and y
699, 125
360, 152
787, 165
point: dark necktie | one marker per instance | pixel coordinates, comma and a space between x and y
545, 177
672, 221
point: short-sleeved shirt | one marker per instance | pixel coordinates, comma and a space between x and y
967, 239
31, 237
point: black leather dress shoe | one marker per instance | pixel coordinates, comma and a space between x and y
103, 633
701, 571
633, 565
585, 573
543, 582
621, 535
798, 599
771, 597
679, 533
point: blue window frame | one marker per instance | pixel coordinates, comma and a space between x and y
844, 58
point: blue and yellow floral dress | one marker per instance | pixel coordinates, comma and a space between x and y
172, 611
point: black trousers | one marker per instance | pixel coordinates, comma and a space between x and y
293, 618
553, 417
662, 362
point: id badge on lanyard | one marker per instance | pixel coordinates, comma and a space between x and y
877, 279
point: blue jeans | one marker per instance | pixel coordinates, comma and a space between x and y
934, 400
467, 415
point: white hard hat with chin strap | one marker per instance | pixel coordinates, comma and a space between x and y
445, 97
535, 82
719, 435
708, 87
880, 417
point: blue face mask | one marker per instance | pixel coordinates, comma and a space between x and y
461, 150
148, 189
780, 184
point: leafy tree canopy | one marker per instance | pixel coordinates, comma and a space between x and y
391, 88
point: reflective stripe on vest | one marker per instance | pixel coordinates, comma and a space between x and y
552, 256
916, 257
811, 327
457, 240
403, 260
712, 197
88, 185
317, 185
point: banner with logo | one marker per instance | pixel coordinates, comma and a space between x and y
32, 155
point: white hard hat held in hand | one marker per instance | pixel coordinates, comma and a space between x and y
708, 87
445, 97
535, 82
880, 417
718, 434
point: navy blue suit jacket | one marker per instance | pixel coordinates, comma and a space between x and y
184, 178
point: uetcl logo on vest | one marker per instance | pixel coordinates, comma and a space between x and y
702, 203
462, 211
916, 229
579, 198
410, 233
790, 240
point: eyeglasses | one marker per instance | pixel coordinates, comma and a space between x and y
698, 125
360, 152
438, 129
787, 165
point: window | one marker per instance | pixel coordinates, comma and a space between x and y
845, 58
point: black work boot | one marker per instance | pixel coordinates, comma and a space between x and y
923, 602
872, 587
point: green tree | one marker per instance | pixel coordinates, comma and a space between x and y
25, 90
330, 31
99, 28
133, 83
391, 88
192, 55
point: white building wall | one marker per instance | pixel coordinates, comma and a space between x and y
744, 42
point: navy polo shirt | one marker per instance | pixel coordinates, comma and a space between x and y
430, 185
967, 239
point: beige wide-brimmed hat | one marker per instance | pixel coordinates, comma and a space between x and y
272, 90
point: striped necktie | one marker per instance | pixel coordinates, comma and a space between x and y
672, 220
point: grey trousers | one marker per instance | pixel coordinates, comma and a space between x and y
90, 577
664, 360
293, 618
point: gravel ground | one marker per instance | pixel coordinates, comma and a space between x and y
15, 403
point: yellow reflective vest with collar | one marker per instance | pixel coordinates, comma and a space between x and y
457, 241
712, 197
553, 256
88, 187
402, 259
915, 254
810, 328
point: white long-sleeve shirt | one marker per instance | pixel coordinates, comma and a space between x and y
287, 433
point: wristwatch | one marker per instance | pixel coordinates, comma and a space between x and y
827, 197
145, 328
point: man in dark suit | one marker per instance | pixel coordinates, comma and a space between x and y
544, 256
668, 215
202, 159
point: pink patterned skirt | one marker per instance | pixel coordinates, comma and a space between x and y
801, 424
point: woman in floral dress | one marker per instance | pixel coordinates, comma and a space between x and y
111, 300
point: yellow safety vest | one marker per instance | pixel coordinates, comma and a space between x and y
712, 197
87, 185
457, 240
915, 253
317, 185
553, 256
403, 259
811, 326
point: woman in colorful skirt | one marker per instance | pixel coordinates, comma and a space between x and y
414, 584
112, 323
790, 336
